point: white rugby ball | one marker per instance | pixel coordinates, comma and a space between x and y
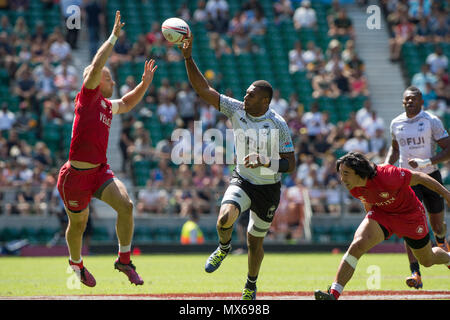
175, 30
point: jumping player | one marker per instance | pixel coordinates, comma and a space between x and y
392, 207
255, 183
415, 134
87, 173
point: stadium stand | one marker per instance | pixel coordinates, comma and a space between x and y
315, 68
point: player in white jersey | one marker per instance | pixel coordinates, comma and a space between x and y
264, 150
415, 135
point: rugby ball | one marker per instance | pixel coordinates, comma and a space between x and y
175, 30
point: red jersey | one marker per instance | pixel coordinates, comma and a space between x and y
389, 191
90, 131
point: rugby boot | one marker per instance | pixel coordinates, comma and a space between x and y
248, 294
414, 281
84, 275
215, 259
320, 295
130, 271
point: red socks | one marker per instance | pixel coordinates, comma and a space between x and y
124, 257
335, 293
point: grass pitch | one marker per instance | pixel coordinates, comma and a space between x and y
162, 274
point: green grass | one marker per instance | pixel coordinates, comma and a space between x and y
20, 276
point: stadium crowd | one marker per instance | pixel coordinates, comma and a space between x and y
42, 83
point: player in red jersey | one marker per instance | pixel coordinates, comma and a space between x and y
87, 173
392, 207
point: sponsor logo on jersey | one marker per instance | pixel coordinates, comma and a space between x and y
73, 203
420, 229
415, 141
384, 195
105, 119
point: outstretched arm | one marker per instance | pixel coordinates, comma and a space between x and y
196, 78
430, 183
132, 98
93, 73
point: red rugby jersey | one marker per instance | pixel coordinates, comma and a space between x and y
389, 190
90, 130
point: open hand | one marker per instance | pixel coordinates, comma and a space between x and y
117, 24
149, 71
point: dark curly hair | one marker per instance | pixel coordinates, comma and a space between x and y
362, 166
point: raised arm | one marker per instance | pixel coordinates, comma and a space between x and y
132, 98
196, 78
93, 73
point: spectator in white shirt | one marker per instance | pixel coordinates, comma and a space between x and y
358, 143
7, 118
437, 60
167, 111
60, 49
213, 7
305, 16
278, 104
296, 60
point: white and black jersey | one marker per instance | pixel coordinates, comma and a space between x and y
268, 133
417, 138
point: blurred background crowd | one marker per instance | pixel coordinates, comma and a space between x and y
326, 101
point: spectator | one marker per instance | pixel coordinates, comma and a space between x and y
305, 16
184, 12
152, 199
20, 28
251, 7
358, 84
349, 51
217, 7
185, 100
313, 120
167, 111
423, 33
403, 32
428, 95
258, 24
364, 113
130, 84
59, 49
278, 104
342, 26
155, 33
121, 50
296, 60
333, 197
341, 81
358, 143
45, 82
66, 82
142, 142
323, 85
200, 14
437, 60
283, 11
420, 79
25, 85
335, 62
219, 45
440, 32
372, 124
242, 43
378, 142
7, 118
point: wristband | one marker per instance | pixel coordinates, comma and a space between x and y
282, 164
112, 39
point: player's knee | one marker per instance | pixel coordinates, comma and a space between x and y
357, 247
126, 207
226, 217
77, 226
